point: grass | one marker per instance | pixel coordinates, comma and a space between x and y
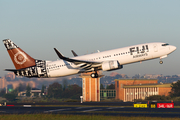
76, 117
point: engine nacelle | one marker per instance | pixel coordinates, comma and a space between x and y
111, 65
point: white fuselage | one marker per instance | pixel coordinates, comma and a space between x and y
124, 56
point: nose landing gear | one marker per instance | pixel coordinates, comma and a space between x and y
161, 62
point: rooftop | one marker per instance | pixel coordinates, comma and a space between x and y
148, 85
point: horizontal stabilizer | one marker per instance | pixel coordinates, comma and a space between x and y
12, 70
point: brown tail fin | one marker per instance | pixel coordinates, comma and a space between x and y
19, 58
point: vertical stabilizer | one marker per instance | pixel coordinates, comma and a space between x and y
19, 58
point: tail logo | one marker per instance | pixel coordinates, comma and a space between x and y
20, 58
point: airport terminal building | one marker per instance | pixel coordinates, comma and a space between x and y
130, 89
125, 89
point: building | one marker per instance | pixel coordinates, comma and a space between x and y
90, 87
130, 89
10, 76
2, 83
34, 92
107, 93
16, 83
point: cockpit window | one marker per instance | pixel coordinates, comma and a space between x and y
165, 44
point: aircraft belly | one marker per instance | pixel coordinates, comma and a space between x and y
126, 60
62, 72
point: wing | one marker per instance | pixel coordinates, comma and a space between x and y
87, 65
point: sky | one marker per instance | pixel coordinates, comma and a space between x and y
87, 26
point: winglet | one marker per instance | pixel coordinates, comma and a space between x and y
59, 54
74, 53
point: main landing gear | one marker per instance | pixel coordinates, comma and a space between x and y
94, 75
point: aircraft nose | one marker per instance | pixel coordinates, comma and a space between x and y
173, 48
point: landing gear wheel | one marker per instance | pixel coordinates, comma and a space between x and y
161, 62
94, 75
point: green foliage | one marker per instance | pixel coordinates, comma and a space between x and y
101, 86
21, 87
42, 90
112, 86
36, 94
158, 97
10, 96
65, 84
72, 92
175, 91
176, 98
55, 90
28, 91
2, 92
15, 92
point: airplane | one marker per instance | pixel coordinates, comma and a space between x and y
106, 61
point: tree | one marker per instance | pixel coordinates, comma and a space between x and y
10, 96
28, 91
21, 87
2, 92
111, 86
15, 92
137, 76
42, 90
65, 84
55, 90
73, 92
101, 86
158, 97
175, 90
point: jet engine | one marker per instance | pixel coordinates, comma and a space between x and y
111, 65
